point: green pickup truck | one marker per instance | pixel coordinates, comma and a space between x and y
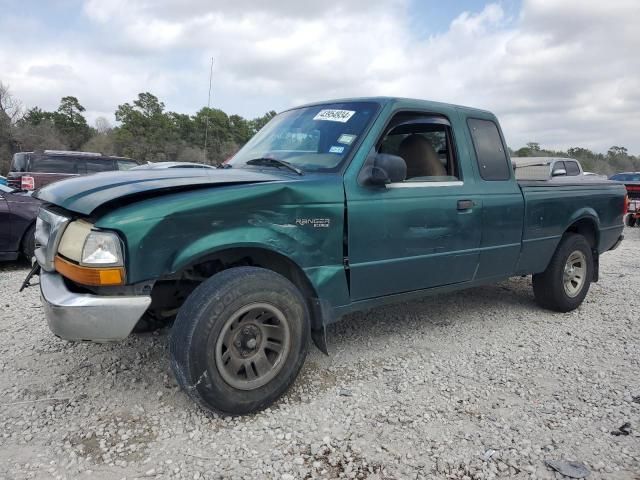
332, 207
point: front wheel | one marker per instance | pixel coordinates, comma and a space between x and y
240, 340
29, 243
564, 284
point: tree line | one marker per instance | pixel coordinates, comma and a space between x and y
617, 159
146, 131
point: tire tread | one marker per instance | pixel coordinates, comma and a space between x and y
186, 324
548, 288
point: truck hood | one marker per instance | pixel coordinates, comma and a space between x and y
85, 194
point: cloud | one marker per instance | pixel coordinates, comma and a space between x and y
562, 73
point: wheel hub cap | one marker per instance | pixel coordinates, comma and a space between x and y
575, 271
252, 346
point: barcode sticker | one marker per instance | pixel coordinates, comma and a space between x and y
341, 116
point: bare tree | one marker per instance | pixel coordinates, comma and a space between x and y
10, 107
10, 112
103, 125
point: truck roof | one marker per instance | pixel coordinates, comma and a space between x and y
74, 153
417, 103
528, 161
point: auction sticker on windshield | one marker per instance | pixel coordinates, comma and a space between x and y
341, 116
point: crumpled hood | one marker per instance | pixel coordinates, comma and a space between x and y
85, 194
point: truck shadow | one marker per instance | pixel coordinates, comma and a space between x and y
507, 301
137, 370
12, 266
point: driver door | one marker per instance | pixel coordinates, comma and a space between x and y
422, 232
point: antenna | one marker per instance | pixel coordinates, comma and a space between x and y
206, 128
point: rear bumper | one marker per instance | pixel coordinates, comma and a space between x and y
81, 316
618, 242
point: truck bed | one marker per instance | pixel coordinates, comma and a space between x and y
550, 206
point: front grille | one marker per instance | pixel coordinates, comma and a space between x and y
49, 229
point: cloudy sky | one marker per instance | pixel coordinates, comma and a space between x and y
559, 72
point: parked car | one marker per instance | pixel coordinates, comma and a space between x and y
18, 212
331, 208
3, 180
546, 168
631, 181
163, 165
32, 170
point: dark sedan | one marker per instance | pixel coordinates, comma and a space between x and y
18, 211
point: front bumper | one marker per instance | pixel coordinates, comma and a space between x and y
81, 316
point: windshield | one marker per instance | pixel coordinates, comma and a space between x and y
626, 177
6, 189
126, 164
316, 138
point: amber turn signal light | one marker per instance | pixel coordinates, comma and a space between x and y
89, 275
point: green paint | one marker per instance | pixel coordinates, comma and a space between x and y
401, 242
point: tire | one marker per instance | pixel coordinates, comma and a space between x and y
29, 242
552, 289
220, 339
630, 221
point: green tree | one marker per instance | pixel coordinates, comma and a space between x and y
146, 132
36, 116
533, 146
257, 123
70, 122
217, 127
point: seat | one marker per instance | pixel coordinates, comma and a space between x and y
421, 158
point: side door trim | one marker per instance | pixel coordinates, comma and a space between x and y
456, 183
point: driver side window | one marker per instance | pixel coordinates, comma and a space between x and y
425, 144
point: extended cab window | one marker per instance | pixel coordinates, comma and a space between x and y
490, 153
426, 145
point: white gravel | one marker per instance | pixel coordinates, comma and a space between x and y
473, 385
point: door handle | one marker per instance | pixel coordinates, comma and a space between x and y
465, 204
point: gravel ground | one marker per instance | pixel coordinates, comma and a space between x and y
480, 384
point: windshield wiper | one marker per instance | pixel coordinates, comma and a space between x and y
274, 162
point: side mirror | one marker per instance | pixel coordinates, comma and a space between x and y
559, 172
384, 169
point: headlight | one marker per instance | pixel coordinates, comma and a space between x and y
102, 249
90, 257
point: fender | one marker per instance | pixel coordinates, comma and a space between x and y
586, 214
304, 226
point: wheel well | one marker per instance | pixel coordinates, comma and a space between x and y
24, 235
588, 229
169, 293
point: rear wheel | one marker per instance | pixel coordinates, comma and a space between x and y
564, 284
630, 220
240, 340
